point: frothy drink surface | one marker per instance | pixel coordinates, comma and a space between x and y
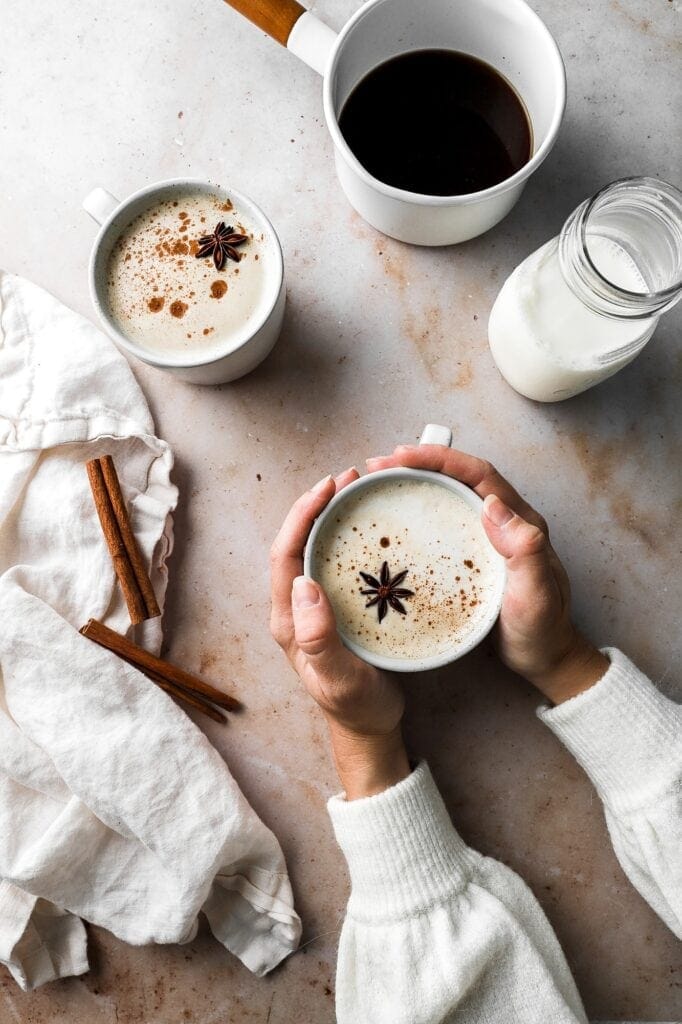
164, 298
426, 529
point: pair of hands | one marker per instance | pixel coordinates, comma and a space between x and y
535, 636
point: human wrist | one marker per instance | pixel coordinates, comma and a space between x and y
368, 763
577, 669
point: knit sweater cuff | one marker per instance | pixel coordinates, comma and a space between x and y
402, 851
624, 733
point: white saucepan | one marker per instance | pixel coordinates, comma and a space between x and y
506, 34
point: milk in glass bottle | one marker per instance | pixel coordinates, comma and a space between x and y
586, 303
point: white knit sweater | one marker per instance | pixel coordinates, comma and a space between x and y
436, 932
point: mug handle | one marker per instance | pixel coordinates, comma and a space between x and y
433, 434
100, 204
291, 25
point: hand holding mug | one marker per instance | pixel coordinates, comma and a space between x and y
363, 706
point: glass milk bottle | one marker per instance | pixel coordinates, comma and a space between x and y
586, 303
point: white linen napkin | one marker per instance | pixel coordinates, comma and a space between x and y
114, 807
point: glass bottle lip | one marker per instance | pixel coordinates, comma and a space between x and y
659, 299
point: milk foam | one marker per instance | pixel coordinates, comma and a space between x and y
428, 530
166, 300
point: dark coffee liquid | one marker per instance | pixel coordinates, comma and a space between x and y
437, 122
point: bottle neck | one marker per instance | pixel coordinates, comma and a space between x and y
641, 218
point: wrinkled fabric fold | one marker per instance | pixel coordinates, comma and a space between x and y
114, 807
38, 941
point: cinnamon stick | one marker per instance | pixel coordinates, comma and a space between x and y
128, 537
112, 535
149, 663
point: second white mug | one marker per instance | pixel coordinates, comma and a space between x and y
222, 363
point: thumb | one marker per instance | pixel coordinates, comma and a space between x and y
524, 547
315, 625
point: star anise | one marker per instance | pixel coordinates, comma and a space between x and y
220, 245
386, 592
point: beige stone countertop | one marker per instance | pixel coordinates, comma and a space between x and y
379, 338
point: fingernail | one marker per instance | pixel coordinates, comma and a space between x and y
322, 485
305, 592
496, 510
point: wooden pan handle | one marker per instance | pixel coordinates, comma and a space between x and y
276, 17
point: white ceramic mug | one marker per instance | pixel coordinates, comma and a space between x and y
506, 34
432, 434
239, 355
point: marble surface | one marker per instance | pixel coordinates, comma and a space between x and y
379, 338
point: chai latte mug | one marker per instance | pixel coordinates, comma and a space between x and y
214, 354
506, 34
419, 534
